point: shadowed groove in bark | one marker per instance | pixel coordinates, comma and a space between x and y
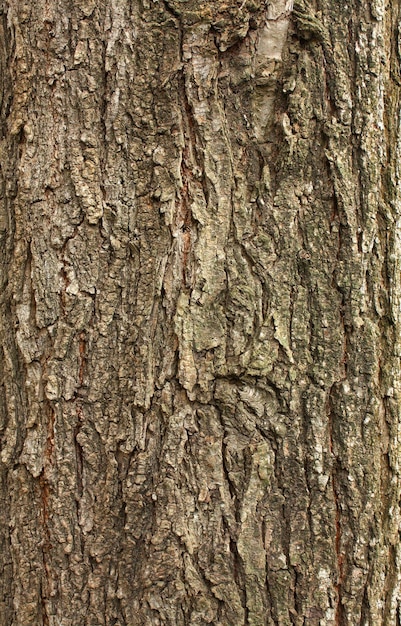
339, 612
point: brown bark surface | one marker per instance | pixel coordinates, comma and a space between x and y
200, 300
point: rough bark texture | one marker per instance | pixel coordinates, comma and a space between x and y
200, 301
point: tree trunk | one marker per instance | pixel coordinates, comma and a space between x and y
200, 313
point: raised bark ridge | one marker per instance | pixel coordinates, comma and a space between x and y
199, 226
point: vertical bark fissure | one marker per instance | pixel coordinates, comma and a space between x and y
185, 221
272, 608
339, 611
45, 482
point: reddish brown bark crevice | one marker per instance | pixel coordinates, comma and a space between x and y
184, 218
184, 221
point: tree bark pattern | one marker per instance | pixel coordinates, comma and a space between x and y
200, 301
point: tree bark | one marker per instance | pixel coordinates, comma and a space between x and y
200, 313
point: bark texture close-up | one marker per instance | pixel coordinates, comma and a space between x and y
200, 264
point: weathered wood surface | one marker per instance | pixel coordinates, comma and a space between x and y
200, 300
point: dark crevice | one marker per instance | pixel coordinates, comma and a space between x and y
240, 578
365, 607
272, 606
230, 484
339, 609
